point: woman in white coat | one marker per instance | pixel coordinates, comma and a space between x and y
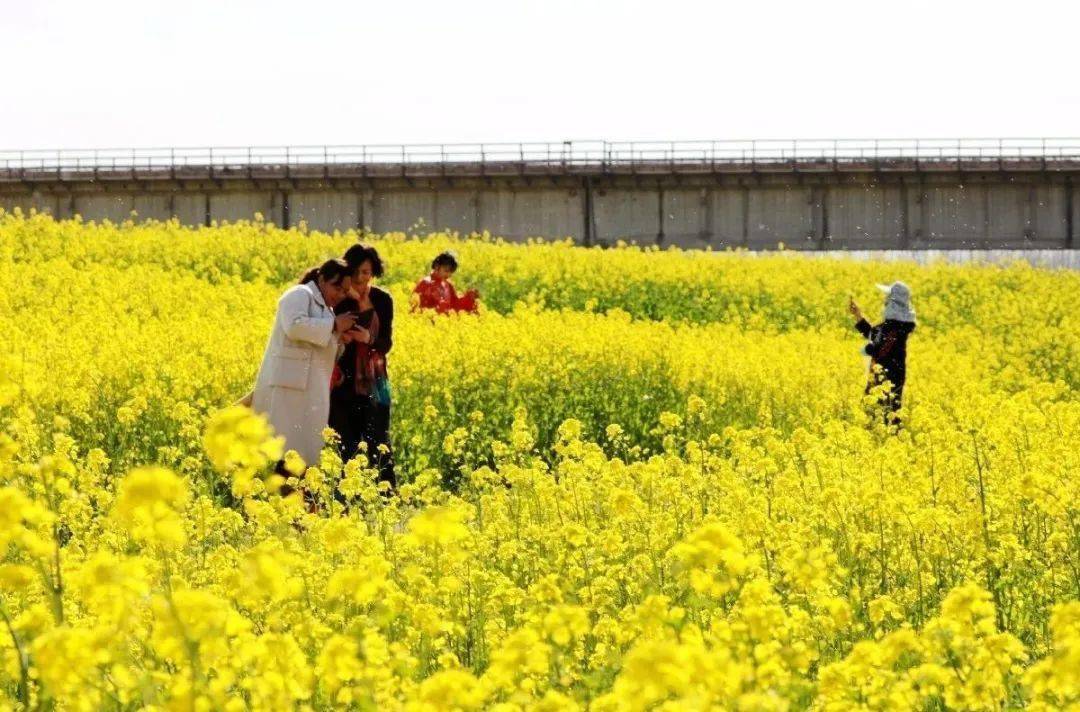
293, 386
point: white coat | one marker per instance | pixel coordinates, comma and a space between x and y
293, 386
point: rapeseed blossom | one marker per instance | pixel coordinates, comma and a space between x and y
639, 479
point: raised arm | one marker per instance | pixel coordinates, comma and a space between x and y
464, 302
861, 324
298, 324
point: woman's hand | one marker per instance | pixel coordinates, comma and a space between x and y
344, 322
854, 309
360, 335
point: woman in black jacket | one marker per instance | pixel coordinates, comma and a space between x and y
887, 347
360, 389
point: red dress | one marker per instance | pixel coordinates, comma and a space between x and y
440, 295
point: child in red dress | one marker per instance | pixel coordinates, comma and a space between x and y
437, 292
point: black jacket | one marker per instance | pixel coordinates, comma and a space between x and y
384, 308
888, 347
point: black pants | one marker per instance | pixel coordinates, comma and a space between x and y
360, 419
890, 402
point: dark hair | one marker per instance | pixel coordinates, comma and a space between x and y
445, 259
333, 270
360, 253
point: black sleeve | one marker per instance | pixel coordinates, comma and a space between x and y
348, 354
864, 327
385, 309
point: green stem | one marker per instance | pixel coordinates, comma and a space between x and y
24, 672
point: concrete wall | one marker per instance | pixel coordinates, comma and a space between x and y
325, 210
1049, 205
520, 214
1050, 258
776, 215
236, 205
865, 217
627, 214
401, 210
43, 203
816, 212
686, 217
992, 215
190, 208
727, 218
105, 206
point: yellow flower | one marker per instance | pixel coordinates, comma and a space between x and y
237, 437
449, 690
16, 512
442, 526
149, 502
15, 577
746, 537
714, 558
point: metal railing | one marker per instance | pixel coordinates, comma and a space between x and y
598, 154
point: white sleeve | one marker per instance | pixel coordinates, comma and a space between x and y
298, 324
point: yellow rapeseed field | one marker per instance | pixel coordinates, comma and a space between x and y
637, 480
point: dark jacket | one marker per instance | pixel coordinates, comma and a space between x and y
384, 307
888, 347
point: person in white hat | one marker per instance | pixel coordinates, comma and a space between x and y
887, 345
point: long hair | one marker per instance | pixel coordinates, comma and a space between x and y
333, 271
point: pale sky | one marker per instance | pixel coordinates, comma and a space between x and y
140, 73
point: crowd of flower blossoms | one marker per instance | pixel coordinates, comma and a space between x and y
683, 504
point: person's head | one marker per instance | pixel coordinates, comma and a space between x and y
332, 278
898, 302
365, 263
444, 264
